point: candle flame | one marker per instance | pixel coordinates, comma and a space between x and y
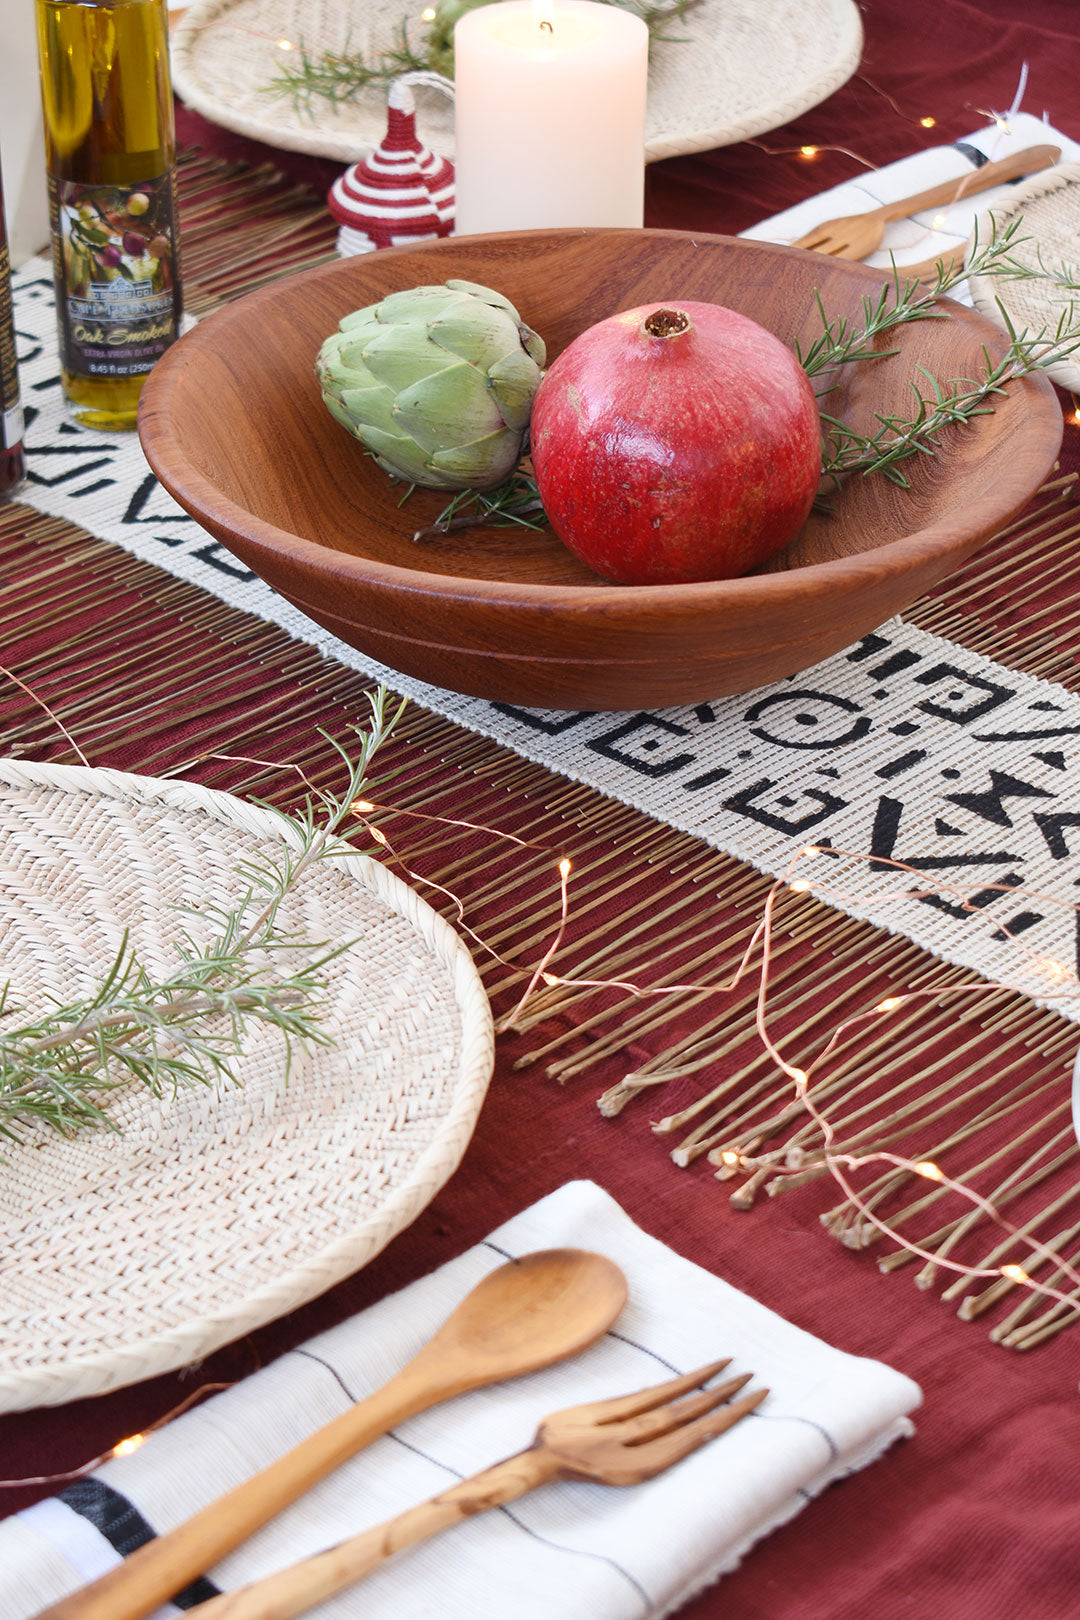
544, 15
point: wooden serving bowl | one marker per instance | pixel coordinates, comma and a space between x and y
233, 425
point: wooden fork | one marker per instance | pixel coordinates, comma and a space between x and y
618, 1442
853, 236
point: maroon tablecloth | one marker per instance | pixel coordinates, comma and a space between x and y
975, 1518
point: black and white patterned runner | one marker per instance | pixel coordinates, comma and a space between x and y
907, 747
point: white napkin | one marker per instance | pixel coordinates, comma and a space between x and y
579, 1551
937, 232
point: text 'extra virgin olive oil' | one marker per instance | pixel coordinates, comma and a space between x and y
110, 151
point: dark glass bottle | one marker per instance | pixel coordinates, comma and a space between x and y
12, 460
111, 155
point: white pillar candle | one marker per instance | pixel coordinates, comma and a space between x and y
550, 115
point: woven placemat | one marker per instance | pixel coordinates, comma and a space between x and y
219, 1208
731, 69
1047, 208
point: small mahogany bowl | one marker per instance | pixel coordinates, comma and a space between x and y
232, 423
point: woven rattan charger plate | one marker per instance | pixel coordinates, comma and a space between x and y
736, 69
219, 1208
1048, 209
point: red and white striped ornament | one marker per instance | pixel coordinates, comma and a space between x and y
402, 192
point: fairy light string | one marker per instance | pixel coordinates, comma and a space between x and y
1061, 985
122, 1448
839, 1165
927, 121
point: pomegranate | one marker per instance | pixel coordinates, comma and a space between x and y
674, 443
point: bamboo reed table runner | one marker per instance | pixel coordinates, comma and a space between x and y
980, 1086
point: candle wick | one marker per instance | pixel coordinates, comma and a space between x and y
547, 25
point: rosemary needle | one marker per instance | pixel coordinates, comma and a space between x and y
60, 1066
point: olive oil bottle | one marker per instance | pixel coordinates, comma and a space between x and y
110, 153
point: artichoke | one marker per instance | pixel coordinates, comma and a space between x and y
437, 383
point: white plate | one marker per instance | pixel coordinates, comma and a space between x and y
221, 1208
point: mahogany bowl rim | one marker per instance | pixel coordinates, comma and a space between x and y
1005, 495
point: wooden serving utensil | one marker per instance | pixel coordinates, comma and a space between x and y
853, 236
621, 1442
526, 1315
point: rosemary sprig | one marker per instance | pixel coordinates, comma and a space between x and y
898, 439
515, 502
845, 451
163, 1033
1063, 275
900, 302
342, 75
184, 1028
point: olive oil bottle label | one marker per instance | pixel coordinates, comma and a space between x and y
116, 273
11, 422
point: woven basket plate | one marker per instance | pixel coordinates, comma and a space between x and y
1048, 206
737, 68
220, 1208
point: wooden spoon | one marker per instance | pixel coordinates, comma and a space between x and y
524, 1316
